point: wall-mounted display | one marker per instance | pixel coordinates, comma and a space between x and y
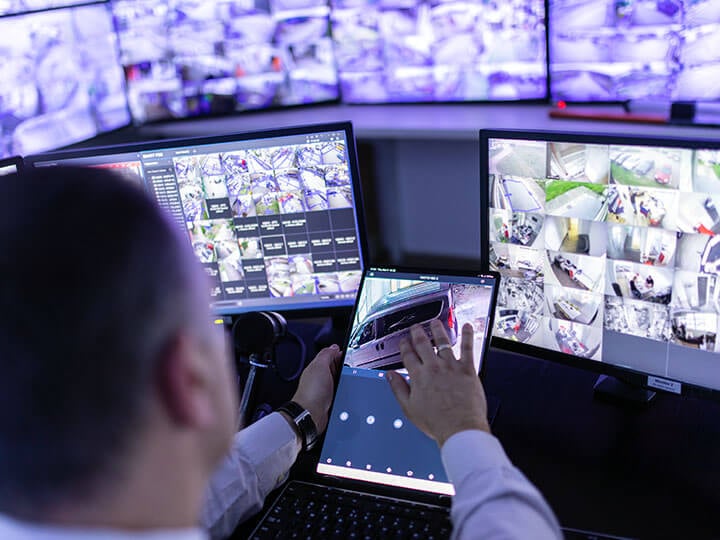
188, 58
607, 50
61, 79
430, 50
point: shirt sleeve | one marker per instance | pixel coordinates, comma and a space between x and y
258, 462
493, 499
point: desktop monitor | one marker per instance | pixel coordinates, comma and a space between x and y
604, 50
188, 58
609, 252
275, 217
422, 50
61, 80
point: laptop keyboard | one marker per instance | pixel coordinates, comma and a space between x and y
308, 511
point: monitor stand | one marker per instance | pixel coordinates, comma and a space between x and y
614, 390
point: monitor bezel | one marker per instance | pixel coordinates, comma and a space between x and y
628, 375
33, 161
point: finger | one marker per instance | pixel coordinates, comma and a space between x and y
400, 389
441, 339
336, 362
409, 359
421, 344
467, 358
328, 354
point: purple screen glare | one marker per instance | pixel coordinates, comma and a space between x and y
635, 49
183, 58
61, 80
10, 7
426, 50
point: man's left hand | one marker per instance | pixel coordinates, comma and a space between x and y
315, 389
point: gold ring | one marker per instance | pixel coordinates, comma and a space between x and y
443, 346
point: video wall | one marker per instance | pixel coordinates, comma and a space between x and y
188, 57
610, 253
428, 50
61, 79
638, 49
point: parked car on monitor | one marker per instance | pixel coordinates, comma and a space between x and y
375, 342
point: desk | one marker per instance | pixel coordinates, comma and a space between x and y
650, 473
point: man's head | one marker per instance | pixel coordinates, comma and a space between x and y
105, 339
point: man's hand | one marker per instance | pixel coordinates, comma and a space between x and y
315, 389
445, 395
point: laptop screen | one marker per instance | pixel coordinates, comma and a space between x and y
368, 437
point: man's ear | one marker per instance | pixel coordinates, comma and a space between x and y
183, 382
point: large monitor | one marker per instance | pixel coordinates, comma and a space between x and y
188, 58
61, 79
426, 50
609, 251
275, 217
605, 50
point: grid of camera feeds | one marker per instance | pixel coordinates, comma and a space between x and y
429, 50
368, 437
277, 221
609, 50
609, 252
188, 57
61, 79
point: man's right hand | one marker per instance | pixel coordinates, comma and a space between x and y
445, 395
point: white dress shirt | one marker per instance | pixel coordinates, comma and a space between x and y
258, 462
11, 529
493, 499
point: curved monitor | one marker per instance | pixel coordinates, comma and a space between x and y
275, 217
605, 50
187, 58
609, 251
61, 79
430, 51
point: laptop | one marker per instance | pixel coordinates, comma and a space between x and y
378, 475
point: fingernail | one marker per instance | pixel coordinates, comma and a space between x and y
335, 346
389, 376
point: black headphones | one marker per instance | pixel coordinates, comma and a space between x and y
257, 335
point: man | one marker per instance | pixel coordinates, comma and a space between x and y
116, 391
116, 398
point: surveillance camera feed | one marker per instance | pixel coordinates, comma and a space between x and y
609, 252
369, 438
272, 220
61, 81
636, 49
188, 57
427, 50
12, 7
